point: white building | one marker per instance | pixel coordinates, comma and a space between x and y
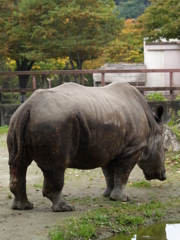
162, 55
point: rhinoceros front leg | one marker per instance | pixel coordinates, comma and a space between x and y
18, 187
122, 169
120, 180
52, 189
109, 176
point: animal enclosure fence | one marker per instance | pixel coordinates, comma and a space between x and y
81, 73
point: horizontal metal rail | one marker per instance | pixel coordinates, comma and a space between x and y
101, 71
143, 88
67, 72
18, 90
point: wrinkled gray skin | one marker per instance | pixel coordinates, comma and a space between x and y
73, 126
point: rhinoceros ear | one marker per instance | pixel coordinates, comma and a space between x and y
159, 113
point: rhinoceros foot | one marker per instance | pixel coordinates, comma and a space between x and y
22, 205
119, 196
62, 207
107, 192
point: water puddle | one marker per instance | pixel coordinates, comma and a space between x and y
158, 231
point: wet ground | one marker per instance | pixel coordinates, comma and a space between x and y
157, 231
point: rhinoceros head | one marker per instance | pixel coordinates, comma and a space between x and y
153, 157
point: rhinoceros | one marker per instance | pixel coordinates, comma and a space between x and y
72, 126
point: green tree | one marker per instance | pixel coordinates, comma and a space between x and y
161, 20
14, 37
78, 29
32, 30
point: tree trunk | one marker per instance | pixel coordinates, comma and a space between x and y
60, 79
73, 68
23, 65
79, 63
23, 80
44, 83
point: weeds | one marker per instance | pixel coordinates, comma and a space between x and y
176, 131
173, 161
155, 96
175, 118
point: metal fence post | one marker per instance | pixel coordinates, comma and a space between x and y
102, 80
34, 82
171, 84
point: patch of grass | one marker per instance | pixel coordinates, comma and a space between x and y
74, 229
121, 218
142, 183
4, 129
38, 185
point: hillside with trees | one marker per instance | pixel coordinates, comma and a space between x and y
131, 8
161, 20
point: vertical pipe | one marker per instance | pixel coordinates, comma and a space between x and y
102, 80
34, 82
171, 84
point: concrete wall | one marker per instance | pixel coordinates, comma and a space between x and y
7, 110
122, 77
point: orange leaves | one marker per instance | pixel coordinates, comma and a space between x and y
129, 46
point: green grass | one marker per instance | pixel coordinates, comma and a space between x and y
4, 130
139, 184
38, 185
121, 218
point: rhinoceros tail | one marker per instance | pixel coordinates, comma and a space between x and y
15, 137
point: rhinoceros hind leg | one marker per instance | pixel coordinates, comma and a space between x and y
52, 189
21, 205
109, 176
18, 187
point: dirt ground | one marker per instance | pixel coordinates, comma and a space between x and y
80, 186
